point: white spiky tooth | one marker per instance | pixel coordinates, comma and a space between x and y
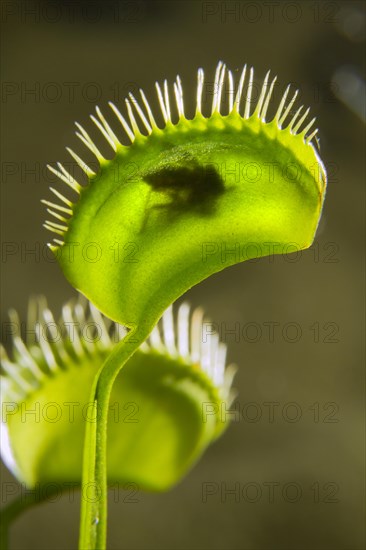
46, 348
104, 132
282, 104
205, 355
12, 370
169, 332
135, 126
9, 368
294, 118
58, 242
196, 334
216, 87
231, 90
90, 146
108, 128
240, 90
89, 143
219, 364
161, 102
56, 215
27, 358
119, 332
183, 330
57, 225
220, 88
88, 171
298, 124
213, 341
148, 109
200, 84
180, 92
167, 100
155, 339
262, 95
288, 109
74, 334
49, 319
179, 84
79, 315
61, 197
308, 139
69, 180
249, 94
11, 388
140, 113
177, 99
307, 128
98, 319
123, 122
57, 206
54, 230
229, 375
266, 102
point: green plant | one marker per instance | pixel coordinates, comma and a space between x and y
157, 400
173, 214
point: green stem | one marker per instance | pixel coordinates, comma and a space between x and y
94, 491
15, 509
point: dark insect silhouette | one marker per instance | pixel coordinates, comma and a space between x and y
193, 187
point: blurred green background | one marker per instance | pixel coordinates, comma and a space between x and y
311, 451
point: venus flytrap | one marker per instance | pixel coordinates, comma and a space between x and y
178, 199
176, 202
157, 429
